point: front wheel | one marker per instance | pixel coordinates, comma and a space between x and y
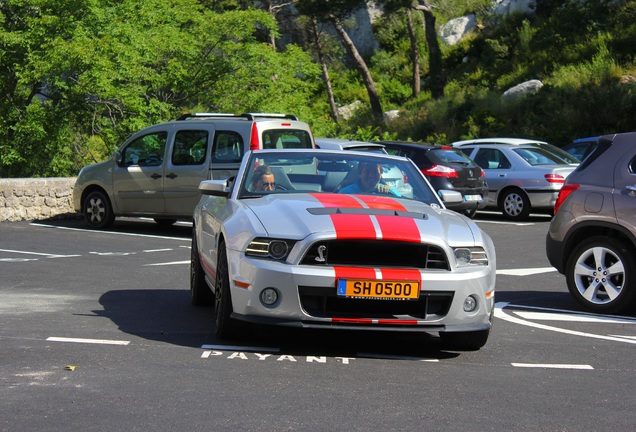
200, 293
515, 205
97, 210
601, 273
226, 326
464, 341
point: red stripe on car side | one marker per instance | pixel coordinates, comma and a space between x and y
399, 228
381, 203
337, 200
353, 226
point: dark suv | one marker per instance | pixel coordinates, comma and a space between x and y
447, 169
592, 237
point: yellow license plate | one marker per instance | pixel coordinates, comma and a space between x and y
379, 289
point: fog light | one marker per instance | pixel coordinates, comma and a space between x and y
470, 304
269, 296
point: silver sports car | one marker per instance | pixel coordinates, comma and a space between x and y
321, 239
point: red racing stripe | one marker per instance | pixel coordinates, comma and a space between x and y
354, 272
337, 200
381, 202
398, 322
352, 226
401, 274
399, 228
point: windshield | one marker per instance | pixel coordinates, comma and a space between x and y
281, 172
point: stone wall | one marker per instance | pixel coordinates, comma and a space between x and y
36, 199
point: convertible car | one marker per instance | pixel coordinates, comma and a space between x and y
325, 245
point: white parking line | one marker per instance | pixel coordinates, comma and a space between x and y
168, 263
526, 271
553, 366
499, 313
88, 341
38, 253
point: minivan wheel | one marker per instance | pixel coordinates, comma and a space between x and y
515, 205
97, 210
601, 274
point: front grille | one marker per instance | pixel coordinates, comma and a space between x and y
323, 302
376, 253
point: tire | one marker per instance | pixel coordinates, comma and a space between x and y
200, 293
601, 275
97, 210
514, 205
464, 341
165, 222
226, 327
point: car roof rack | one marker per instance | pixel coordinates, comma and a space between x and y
249, 116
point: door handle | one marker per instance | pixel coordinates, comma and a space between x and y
172, 176
631, 188
155, 176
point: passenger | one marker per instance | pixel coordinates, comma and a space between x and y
263, 179
369, 176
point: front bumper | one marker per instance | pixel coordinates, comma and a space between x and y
307, 298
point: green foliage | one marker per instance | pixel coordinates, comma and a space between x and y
79, 76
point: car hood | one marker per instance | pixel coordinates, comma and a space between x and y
297, 216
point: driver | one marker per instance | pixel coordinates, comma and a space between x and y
369, 176
263, 179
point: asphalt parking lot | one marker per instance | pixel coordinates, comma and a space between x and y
98, 333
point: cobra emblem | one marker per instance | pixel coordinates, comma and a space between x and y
321, 253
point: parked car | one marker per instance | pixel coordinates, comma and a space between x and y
345, 144
522, 175
581, 147
156, 172
447, 169
592, 237
304, 256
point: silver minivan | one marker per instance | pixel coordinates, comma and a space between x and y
156, 172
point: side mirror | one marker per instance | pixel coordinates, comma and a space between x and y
119, 159
215, 188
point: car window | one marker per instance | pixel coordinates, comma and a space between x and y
540, 156
577, 150
489, 158
285, 138
189, 147
448, 156
147, 150
466, 150
227, 147
601, 147
558, 153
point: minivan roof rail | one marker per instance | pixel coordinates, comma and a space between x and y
249, 116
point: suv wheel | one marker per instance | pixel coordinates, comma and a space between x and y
601, 273
514, 204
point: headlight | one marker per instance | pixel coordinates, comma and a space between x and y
269, 248
470, 256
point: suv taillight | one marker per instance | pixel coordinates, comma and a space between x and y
440, 171
254, 138
555, 178
566, 190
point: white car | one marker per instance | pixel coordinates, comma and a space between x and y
523, 175
304, 255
